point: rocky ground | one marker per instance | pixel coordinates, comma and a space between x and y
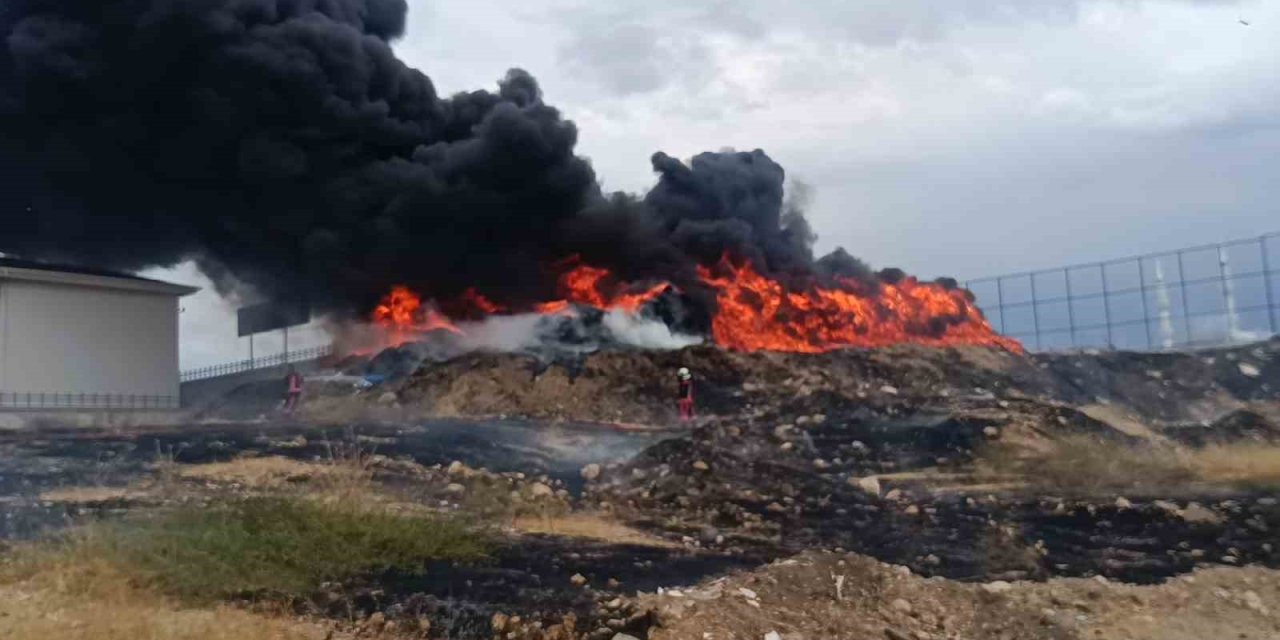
893, 493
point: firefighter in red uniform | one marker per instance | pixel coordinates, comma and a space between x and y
293, 383
684, 394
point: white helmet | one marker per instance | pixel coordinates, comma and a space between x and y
683, 373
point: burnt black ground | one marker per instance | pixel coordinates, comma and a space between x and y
34, 462
529, 577
763, 490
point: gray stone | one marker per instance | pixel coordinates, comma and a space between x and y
869, 484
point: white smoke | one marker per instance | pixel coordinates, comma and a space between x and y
529, 331
567, 332
502, 333
646, 333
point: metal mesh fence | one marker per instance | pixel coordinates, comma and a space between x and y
264, 362
1201, 296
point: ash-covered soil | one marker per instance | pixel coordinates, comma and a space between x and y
637, 386
899, 493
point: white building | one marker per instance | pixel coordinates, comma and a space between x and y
81, 338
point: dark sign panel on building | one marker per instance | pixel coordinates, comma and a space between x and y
270, 316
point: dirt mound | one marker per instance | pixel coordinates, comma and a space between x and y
826, 595
637, 386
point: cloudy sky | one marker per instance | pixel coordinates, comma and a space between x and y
947, 137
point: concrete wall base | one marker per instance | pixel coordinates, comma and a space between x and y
73, 418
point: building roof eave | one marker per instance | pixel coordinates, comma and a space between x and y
94, 280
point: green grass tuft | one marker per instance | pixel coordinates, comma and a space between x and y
274, 545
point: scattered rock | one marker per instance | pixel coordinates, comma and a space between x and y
900, 605
869, 484
1253, 601
455, 488
701, 465
1123, 503
591, 472
998, 586
889, 389
388, 397
773, 635
1249, 370
578, 580
499, 622
540, 490
1196, 513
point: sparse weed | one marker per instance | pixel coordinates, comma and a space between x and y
1083, 465
271, 545
1086, 464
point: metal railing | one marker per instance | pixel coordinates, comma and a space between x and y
63, 400
265, 362
1207, 295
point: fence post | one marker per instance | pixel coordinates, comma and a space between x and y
1071, 312
1182, 285
1035, 309
1266, 284
1106, 304
1226, 293
1142, 291
1000, 300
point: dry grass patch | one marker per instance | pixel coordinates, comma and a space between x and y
591, 526
267, 472
42, 613
73, 593
1084, 464
1087, 464
87, 495
1240, 464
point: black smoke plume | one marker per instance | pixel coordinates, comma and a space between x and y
283, 146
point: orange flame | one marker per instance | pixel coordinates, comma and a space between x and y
475, 300
596, 287
757, 313
402, 315
754, 312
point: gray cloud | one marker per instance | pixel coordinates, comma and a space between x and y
633, 58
